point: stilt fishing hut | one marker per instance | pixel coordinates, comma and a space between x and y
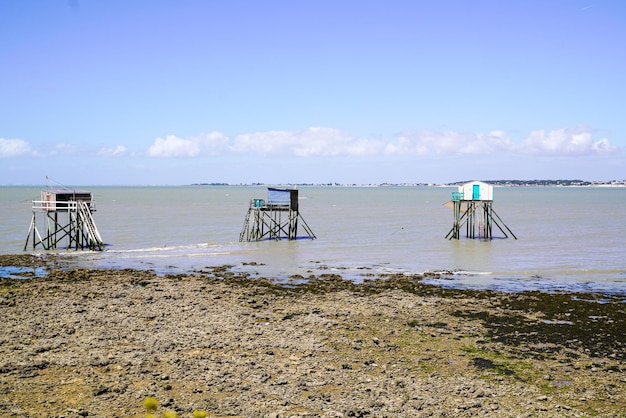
67, 218
276, 218
473, 208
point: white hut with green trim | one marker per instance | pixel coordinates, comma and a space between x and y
472, 204
476, 190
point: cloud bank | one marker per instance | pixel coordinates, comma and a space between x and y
330, 142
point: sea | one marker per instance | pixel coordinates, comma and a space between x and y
569, 239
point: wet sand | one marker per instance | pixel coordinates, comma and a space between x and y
98, 343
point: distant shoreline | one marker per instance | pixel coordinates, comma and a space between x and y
496, 183
503, 183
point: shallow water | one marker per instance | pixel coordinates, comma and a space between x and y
22, 272
568, 238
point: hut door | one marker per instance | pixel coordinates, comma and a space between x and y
476, 192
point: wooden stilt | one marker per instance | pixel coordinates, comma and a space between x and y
275, 219
472, 207
68, 216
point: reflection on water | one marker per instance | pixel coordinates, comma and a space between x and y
13, 272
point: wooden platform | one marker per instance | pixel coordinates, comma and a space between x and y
67, 218
275, 219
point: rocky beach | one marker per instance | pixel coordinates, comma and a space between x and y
98, 343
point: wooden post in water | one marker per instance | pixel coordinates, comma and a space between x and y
472, 206
67, 215
276, 218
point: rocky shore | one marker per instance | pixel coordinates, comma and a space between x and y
99, 343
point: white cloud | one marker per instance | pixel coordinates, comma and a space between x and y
63, 148
424, 143
560, 142
213, 141
603, 146
566, 141
330, 142
14, 148
173, 146
311, 142
118, 151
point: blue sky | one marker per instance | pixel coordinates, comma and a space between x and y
178, 92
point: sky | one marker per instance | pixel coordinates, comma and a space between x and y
160, 92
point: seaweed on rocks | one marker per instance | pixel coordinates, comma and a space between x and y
543, 323
98, 342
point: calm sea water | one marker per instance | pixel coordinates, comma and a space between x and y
568, 238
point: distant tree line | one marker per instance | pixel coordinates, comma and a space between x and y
534, 183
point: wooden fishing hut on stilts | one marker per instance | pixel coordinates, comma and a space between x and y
473, 207
276, 218
67, 218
